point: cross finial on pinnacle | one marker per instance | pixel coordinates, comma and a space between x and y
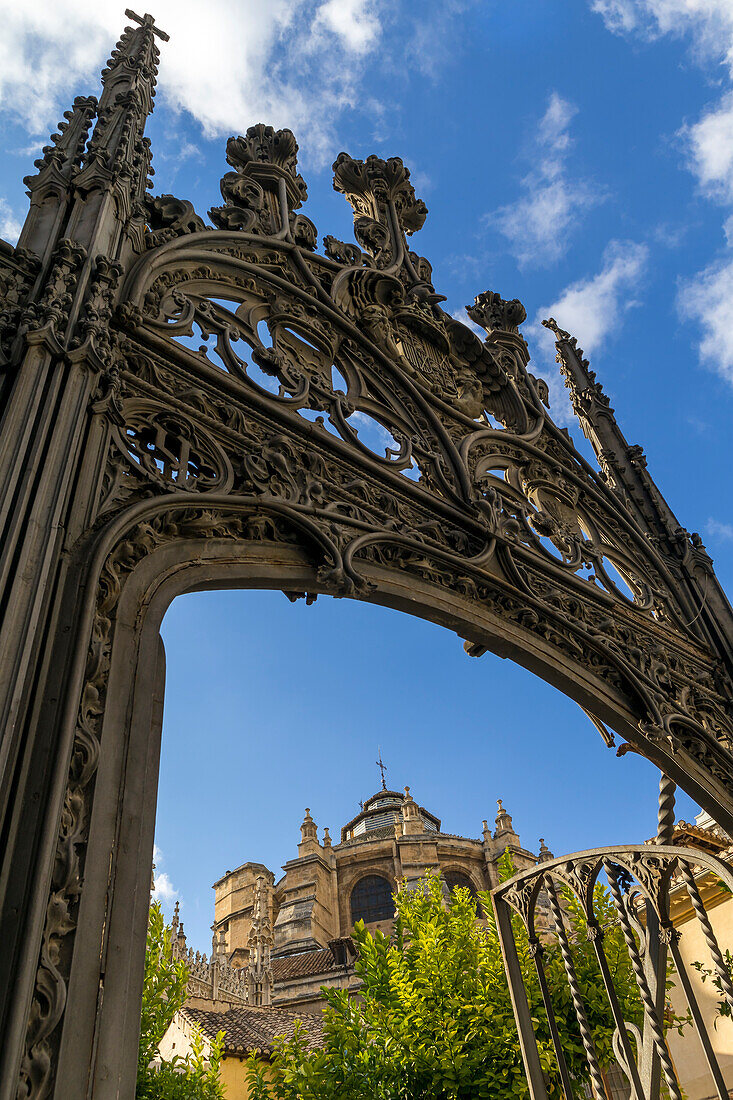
382, 768
147, 21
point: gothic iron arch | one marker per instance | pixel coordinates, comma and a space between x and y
187, 406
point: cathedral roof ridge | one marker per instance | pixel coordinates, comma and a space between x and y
458, 836
383, 792
249, 863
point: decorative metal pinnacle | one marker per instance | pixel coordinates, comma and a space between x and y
382, 768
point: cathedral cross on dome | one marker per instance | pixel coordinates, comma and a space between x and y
382, 767
147, 21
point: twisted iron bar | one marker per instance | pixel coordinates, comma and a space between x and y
536, 951
621, 1044
665, 813
710, 938
567, 958
647, 999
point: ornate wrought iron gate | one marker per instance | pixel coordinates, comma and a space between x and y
189, 406
645, 884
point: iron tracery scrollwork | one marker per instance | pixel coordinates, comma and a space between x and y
358, 336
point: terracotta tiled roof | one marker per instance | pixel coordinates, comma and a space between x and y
248, 1030
304, 965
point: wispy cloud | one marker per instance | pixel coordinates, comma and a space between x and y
717, 530
435, 35
709, 23
10, 223
164, 891
591, 308
538, 225
294, 63
707, 298
707, 145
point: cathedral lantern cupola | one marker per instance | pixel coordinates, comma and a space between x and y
385, 813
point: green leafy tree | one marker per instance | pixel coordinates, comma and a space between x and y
723, 1010
435, 1018
195, 1077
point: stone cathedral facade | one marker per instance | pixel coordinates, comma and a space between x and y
291, 935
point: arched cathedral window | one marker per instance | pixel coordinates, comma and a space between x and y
371, 899
460, 880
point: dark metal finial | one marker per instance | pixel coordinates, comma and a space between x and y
382, 768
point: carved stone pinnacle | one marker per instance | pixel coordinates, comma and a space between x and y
266, 154
369, 185
493, 312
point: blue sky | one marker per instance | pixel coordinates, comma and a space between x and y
577, 154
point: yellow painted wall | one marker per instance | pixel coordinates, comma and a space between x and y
686, 1051
234, 1078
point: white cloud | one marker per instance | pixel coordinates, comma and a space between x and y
709, 25
538, 224
620, 16
718, 530
353, 21
707, 298
709, 22
164, 890
553, 128
590, 309
249, 62
710, 146
10, 223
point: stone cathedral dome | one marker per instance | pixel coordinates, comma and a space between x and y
380, 813
311, 909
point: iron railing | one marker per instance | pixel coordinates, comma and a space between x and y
646, 885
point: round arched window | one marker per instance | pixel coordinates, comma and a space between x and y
371, 899
459, 880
